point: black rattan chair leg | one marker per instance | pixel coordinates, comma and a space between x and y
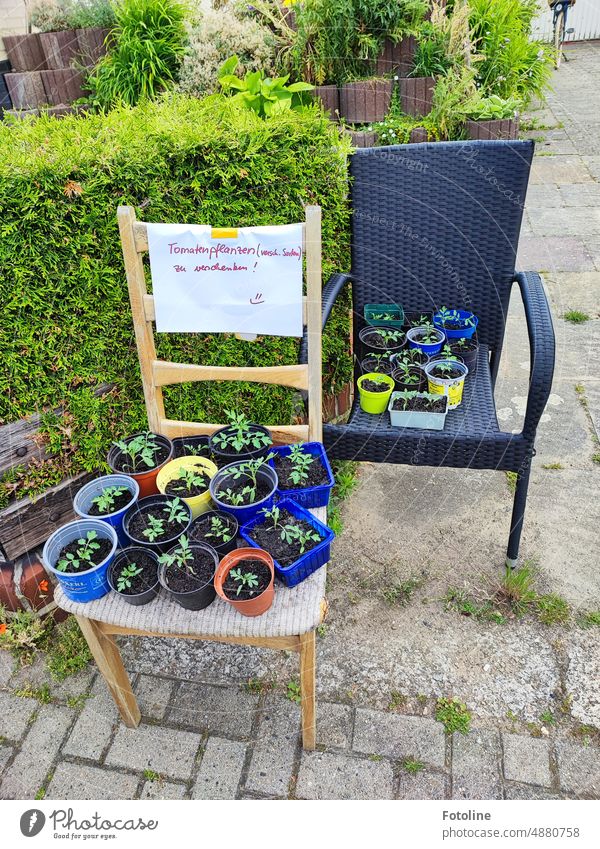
516, 522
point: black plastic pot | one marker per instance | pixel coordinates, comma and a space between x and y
200, 444
142, 506
417, 358
223, 458
127, 554
194, 599
222, 548
371, 331
469, 358
399, 374
370, 364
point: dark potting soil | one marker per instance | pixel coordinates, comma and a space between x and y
269, 538
421, 337
146, 579
263, 488
119, 502
316, 473
374, 386
469, 345
201, 527
191, 451
420, 405
452, 325
376, 340
185, 581
256, 567
379, 366
139, 522
98, 555
446, 374
179, 487
123, 463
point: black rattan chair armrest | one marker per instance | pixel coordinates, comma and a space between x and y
541, 344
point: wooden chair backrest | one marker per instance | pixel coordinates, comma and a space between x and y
158, 373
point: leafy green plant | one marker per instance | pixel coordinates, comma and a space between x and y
105, 502
83, 557
68, 651
149, 44
407, 395
23, 633
413, 766
576, 316
141, 450
56, 15
448, 317
552, 609
517, 589
301, 463
453, 715
493, 108
264, 95
155, 529
126, 575
176, 512
249, 470
589, 619
179, 557
218, 530
190, 479
244, 579
432, 54
293, 692
239, 435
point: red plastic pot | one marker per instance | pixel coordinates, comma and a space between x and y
251, 606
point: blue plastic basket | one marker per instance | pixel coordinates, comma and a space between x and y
311, 496
463, 332
307, 563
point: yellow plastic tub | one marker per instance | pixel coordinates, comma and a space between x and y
198, 503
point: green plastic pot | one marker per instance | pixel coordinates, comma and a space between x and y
375, 402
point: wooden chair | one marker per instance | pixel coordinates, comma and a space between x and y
291, 622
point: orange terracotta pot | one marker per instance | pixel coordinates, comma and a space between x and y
252, 606
145, 480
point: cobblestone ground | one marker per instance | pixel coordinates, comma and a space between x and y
533, 690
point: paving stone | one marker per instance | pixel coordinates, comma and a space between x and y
167, 751
7, 665
37, 675
76, 781
554, 253
559, 169
582, 194
28, 771
579, 769
423, 785
273, 756
334, 725
220, 770
220, 710
528, 791
324, 775
15, 713
396, 736
153, 695
162, 790
575, 291
475, 765
546, 196
527, 759
92, 732
567, 222
5, 755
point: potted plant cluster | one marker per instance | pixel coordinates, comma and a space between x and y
182, 539
434, 354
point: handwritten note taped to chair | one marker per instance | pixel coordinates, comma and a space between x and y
247, 280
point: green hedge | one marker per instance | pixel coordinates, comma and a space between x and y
66, 325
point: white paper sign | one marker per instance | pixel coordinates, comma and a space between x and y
251, 283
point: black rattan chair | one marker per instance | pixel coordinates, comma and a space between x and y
438, 224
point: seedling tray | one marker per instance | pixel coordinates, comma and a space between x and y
415, 418
307, 563
374, 309
311, 496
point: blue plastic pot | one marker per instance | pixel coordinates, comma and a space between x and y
83, 501
310, 496
224, 479
461, 333
427, 349
307, 563
80, 586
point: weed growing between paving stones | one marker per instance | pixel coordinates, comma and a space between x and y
397, 700
293, 692
548, 718
79, 701
151, 775
589, 619
576, 316
401, 593
453, 715
552, 466
68, 651
595, 458
23, 633
587, 734
344, 472
552, 609
461, 602
511, 479
42, 694
413, 766
258, 685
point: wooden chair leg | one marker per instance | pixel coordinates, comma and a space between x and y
308, 662
108, 658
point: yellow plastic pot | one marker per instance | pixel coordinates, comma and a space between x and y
198, 503
375, 402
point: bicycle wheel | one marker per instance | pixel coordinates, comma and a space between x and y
559, 37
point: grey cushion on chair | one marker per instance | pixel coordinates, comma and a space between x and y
294, 611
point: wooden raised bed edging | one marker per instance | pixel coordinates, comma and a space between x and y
365, 101
25, 52
397, 57
26, 90
506, 128
362, 138
330, 98
92, 42
62, 86
416, 95
61, 49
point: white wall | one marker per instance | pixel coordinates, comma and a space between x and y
584, 17
13, 20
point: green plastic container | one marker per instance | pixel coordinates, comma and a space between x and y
371, 310
374, 402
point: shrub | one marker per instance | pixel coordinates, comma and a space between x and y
66, 322
50, 15
145, 59
264, 95
217, 35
